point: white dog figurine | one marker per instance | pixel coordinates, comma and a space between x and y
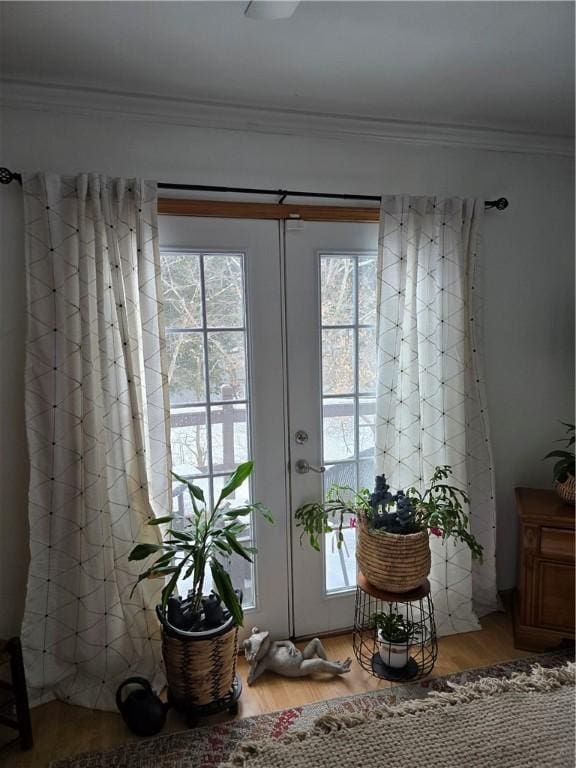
282, 657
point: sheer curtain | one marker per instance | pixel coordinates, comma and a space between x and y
98, 433
430, 406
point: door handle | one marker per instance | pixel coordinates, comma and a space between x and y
303, 466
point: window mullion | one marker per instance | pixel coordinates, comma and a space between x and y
207, 378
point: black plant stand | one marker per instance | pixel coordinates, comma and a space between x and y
417, 607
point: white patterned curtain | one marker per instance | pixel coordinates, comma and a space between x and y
98, 435
431, 407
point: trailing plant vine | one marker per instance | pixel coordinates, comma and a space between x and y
439, 509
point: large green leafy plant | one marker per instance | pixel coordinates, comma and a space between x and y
210, 536
564, 466
439, 509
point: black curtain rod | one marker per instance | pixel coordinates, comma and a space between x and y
7, 176
282, 193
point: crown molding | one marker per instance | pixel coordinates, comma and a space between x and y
90, 102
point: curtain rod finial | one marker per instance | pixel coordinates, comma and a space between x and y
7, 176
501, 204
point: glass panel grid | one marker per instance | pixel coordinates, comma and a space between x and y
347, 302
208, 379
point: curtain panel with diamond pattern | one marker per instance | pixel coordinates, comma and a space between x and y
98, 435
431, 405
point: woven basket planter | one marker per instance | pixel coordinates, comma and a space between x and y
200, 666
390, 561
566, 490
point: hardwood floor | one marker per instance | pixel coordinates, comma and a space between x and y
62, 730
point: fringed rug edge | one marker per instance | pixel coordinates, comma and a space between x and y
538, 679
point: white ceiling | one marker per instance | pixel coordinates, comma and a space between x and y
507, 65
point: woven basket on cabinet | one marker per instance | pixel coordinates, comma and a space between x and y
567, 489
390, 561
200, 671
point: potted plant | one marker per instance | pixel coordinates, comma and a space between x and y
563, 471
199, 633
395, 634
393, 549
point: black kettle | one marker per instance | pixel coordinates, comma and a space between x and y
142, 710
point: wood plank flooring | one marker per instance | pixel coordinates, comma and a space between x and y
62, 730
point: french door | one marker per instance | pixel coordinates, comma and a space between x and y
270, 354
330, 310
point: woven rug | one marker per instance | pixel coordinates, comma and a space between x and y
526, 721
211, 745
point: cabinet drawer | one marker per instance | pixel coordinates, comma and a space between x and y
557, 543
555, 597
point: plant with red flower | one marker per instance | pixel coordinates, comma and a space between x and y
439, 509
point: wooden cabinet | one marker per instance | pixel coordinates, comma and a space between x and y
544, 606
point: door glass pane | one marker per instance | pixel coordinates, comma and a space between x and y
224, 281
340, 564
181, 502
189, 433
186, 370
229, 436
367, 290
366, 473
181, 290
227, 365
241, 571
208, 381
338, 363
337, 279
240, 496
366, 425
348, 300
367, 359
339, 442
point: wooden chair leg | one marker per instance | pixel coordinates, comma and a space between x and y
20, 692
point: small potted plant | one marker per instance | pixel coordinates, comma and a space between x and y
393, 549
199, 633
563, 471
395, 634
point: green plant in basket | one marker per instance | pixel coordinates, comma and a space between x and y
393, 627
395, 634
438, 509
564, 467
210, 535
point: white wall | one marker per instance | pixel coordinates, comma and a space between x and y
528, 255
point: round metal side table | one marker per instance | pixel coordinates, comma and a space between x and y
416, 607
